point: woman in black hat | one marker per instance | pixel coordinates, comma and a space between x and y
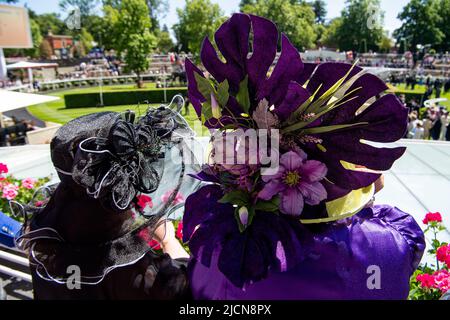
85, 243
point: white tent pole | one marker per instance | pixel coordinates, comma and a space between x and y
3, 70
2, 122
30, 77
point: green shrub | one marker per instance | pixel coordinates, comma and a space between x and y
89, 100
115, 81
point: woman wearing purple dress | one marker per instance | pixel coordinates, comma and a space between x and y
306, 229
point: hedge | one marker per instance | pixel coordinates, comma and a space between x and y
89, 100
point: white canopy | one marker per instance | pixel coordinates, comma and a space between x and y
11, 100
30, 65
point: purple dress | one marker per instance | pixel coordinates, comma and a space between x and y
371, 255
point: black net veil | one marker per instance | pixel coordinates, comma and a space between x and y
115, 158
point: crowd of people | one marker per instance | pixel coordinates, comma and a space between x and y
430, 122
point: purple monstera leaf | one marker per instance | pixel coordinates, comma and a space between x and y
348, 106
244, 71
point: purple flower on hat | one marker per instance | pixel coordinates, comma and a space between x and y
297, 181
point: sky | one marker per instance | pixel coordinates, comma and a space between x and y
391, 9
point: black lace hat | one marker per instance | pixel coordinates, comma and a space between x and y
104, 160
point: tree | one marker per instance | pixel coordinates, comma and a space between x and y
330, 35
243, 3
320, 10
50, 22
385, 43
362, 26
198, 19
86, 39
165, 43
419, 25
37, 39
294, 18
443, 7
45, 50
131, 29
158, 10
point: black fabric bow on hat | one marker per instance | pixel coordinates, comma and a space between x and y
118, 163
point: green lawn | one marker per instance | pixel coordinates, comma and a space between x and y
56, 112
420, 89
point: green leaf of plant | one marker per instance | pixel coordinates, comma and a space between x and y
222, 93
268, 206
237, 197
206, 111
204, 86
243, 97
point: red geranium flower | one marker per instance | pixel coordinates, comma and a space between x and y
426, 280
432, 217
144, 201
442, 253
3, 168
179, 233
144, 235
442, 280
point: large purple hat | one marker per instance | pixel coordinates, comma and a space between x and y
329, 118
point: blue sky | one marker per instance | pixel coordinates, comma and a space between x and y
334, 7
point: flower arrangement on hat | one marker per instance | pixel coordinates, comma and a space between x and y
323, 114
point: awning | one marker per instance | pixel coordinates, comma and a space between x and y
11, 100
30, 65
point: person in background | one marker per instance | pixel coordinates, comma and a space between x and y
438, 87
447, 85
412, 120
447, 135
427, 124
418, 131
428, 93
445, 121
437, 125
